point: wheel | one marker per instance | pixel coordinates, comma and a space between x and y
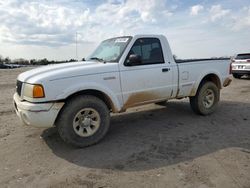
83, 121
206, 99
236, 75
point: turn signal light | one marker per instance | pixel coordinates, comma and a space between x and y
38, 91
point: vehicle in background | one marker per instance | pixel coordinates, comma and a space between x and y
241, 65
123, 72
10, 66
4, 66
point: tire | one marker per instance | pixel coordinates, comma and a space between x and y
206, 99
236, 76
83, 121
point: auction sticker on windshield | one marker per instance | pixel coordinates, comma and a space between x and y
121, 40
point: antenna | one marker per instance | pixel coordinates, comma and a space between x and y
76, 47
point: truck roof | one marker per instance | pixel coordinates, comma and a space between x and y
141, 35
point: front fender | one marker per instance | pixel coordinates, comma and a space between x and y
116, 100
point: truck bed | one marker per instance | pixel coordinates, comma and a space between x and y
192, 70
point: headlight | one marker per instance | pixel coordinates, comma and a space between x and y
33, 90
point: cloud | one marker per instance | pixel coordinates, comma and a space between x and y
242, 21
194, 10
216, 12
29, 22
35, 22
52, 25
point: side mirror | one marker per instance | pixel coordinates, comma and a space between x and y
134, 59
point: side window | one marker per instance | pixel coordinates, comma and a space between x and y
149, 49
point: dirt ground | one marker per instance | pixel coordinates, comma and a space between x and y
150, 146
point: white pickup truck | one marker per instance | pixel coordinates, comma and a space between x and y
122, 72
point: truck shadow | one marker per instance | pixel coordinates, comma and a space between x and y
158, 137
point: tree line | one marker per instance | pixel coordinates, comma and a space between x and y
22, 61
44, 61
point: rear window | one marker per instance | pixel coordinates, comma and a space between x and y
243, 56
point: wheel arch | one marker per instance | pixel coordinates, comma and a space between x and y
212, 77
97, 93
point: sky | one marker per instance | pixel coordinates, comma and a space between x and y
49, 28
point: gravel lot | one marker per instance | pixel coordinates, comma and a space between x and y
152, 147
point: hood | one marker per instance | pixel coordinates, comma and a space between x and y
66, 70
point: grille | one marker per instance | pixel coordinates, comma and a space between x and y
19, 87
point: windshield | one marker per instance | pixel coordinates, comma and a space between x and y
110, 50
243, 56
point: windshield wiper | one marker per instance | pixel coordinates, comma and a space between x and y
98, 59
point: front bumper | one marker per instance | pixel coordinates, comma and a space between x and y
37, 114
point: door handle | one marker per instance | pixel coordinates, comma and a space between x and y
165, 69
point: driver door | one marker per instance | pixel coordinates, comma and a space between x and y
151, 79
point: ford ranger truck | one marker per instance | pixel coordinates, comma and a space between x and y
122, 72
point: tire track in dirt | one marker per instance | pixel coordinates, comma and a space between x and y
6, 112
